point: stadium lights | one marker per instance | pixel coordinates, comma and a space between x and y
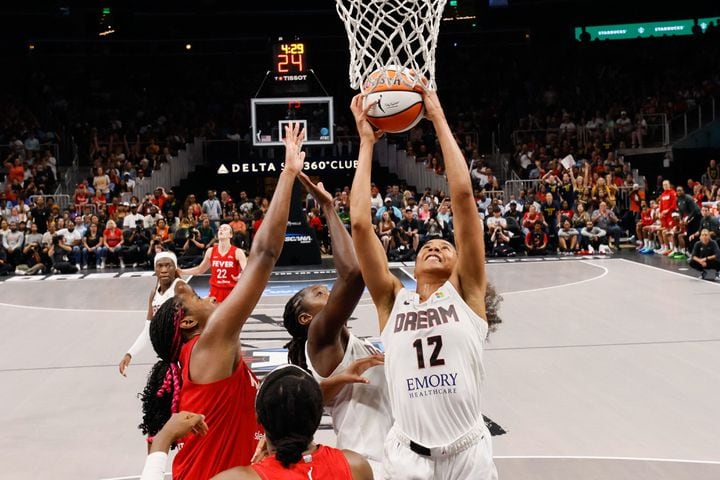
188, 46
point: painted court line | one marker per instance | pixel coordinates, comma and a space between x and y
55, 309
604, 269
706, 282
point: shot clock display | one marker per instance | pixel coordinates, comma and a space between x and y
289, 59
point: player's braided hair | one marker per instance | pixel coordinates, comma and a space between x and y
289, 407
299, 332
161, 396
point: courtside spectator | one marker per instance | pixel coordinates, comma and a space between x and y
591, 237
212, 208
705, 255
71, 241
536, 240
606, 220
12, 243
113, 240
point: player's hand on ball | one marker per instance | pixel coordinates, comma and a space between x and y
360, 113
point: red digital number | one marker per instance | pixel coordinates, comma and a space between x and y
282, 65
286, 63
297, 60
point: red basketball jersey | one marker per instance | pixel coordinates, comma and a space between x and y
224, 267
326, 463
229, 409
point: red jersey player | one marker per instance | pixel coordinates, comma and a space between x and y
289, 407
668, 204
226, 261
201, 367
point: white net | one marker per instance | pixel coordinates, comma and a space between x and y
390, 34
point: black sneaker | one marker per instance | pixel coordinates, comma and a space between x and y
703, 275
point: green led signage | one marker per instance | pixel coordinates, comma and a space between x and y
644, 30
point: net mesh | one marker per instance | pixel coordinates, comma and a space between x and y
398, 34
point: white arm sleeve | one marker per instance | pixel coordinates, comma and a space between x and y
142, 340
154, 466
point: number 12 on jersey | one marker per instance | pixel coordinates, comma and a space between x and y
435, 360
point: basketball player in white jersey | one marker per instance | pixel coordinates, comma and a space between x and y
433, 337
349, 369
167, 278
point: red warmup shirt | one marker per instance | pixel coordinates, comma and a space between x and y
326, 463
316, 223
112, 237
229, 409
224, 267
646, 217
668, 202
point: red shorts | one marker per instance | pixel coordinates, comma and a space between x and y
220, 293
666, 221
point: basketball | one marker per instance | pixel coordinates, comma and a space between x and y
399, 105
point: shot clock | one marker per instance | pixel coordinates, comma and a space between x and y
289, 60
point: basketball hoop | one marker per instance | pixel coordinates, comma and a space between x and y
391, 34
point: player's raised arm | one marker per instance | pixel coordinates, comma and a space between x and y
226, 321
382, 284
348, 287
469, 238
199, 269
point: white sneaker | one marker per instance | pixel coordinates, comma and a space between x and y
591, 249
77, 265
135, 265
102, 265
84, 267
122, 264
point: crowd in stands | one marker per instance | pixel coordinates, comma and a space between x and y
575, 207
28, 154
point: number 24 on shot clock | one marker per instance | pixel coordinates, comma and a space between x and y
289, 58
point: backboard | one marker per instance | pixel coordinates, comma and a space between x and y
270, 115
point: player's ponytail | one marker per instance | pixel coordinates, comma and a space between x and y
161, 396
289, 407
299, 332
289, 449
492, 302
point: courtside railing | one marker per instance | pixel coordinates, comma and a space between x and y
170, 173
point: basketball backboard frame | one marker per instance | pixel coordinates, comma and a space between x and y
269, 115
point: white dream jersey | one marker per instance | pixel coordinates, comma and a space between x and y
433, 364
160, 298
360, 412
